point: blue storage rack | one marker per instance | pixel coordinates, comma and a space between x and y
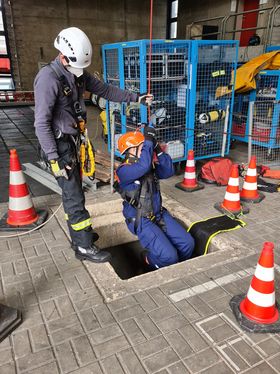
266, 108
184, 78
272, 48
213, 65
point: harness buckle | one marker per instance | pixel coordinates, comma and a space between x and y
67, 91
151, 217
77, 107
132, 201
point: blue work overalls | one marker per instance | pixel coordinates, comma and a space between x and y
165, 240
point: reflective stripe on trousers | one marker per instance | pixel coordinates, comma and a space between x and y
81, 225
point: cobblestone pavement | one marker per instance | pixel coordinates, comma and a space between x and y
176, 328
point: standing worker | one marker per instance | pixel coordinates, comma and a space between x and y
165, 240
60, 117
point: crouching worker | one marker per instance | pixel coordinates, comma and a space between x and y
164, 239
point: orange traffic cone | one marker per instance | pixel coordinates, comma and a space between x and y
257, 311
21, 213
190, 182
250, 191
231, 204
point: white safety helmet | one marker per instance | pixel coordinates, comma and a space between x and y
76, 47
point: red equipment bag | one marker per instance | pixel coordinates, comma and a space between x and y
216, 171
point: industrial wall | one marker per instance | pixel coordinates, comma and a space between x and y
203, 9
33, 25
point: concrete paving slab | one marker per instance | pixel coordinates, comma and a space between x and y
172, 321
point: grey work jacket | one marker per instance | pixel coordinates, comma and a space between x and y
53, 110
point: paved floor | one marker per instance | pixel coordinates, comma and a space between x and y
179, 327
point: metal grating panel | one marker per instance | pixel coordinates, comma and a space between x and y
212, 113
185, 76
265, 130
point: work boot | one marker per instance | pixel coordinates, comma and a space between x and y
93, 254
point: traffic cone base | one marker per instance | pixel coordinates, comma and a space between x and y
243, 210
181, 186
257, 311
41, 217
10, 319
254, 200
249, 324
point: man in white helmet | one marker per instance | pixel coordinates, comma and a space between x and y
59, 110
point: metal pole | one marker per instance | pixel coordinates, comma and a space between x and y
15, 55
225, 132
224, 25
266, 34
250, 130
275, 10
112, 122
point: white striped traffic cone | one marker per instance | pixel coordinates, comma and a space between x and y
231, 203
258, 311
250, 191
190, 182
21, 212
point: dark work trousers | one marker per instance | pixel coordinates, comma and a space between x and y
73, 197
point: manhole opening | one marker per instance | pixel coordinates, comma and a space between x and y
127, 260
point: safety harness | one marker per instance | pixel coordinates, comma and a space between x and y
141, 198
85, 149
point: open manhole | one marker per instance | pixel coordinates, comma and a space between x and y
128, 260
126, 273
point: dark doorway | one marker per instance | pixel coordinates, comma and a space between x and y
208, 32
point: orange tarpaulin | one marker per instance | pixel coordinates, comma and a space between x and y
245, 75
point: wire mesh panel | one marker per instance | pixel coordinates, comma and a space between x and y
211, 101
240, 116
131, 62
112, 76
169, 84
265, 133
188, 112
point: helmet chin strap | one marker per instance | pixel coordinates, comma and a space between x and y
132, 157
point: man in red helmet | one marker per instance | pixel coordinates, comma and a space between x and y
165, 240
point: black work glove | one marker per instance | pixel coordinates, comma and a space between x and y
145, 99
150, 134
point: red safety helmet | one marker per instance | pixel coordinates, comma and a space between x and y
129, 140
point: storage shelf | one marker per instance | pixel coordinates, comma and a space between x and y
162, 79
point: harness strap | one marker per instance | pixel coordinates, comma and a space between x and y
86, 150
65, 86
76, 106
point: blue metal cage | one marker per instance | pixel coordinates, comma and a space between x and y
264, 132
184, 78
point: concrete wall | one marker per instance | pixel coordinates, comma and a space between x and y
34, 24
